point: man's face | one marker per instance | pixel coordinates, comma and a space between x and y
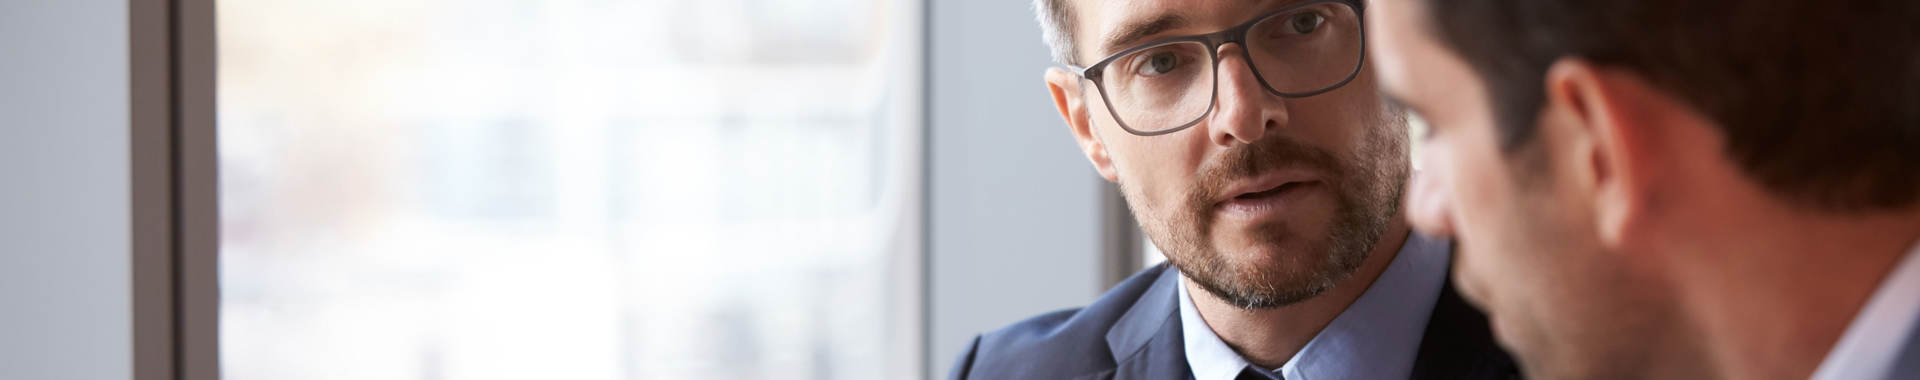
1526, 248
1267, 200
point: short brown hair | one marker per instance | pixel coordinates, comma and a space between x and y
1819, 101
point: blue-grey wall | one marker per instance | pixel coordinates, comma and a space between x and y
1014, 223
64, 221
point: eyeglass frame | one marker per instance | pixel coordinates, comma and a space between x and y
1236, 34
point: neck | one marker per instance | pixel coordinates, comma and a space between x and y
1270, 337
1771, 294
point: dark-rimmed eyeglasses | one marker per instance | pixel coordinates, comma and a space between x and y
1167, 85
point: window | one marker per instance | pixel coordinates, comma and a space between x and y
569, 189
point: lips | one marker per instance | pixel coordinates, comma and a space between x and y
1264, 183
1264, 195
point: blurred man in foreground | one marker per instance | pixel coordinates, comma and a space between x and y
1651, 189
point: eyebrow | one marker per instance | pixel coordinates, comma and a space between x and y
1133, 31
1393, 101
1396, 102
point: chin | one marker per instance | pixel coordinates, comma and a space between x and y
1245, 256
1286, 258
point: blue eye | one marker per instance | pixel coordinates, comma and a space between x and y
1158, 63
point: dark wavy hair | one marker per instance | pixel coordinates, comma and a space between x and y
1819, 101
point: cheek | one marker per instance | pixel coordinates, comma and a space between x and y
1518, 256
1340, 121
1156, 170
1485, 217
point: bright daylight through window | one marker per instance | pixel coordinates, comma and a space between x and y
569, 189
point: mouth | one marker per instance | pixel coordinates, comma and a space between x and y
1265, 197
1266, 193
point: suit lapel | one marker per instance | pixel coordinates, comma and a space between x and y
1146, 341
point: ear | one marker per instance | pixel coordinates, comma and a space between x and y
1065, 88
1609, 121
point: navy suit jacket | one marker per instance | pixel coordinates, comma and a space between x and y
1906, 365
1133, 332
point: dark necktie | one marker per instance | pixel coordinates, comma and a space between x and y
1255, 373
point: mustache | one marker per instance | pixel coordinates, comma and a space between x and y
1252, 160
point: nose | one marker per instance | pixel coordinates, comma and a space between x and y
1429, 206
1244, 111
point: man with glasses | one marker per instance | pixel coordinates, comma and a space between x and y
1249, 141
1655, 189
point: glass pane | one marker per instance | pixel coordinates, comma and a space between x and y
569, 189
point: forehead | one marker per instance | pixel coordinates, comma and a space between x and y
1102, 18
1400, 47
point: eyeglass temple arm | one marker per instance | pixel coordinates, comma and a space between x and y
1076, 70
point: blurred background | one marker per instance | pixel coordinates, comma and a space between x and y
638, 189
580, 189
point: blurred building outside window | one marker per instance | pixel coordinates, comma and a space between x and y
569, 189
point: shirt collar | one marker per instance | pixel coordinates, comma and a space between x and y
1867, 349
1207, 355
1377, 336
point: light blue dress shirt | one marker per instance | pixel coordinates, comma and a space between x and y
1377, 337
1871, 346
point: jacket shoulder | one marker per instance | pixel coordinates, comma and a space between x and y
1061, 344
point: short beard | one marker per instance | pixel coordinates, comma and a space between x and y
1367, 188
